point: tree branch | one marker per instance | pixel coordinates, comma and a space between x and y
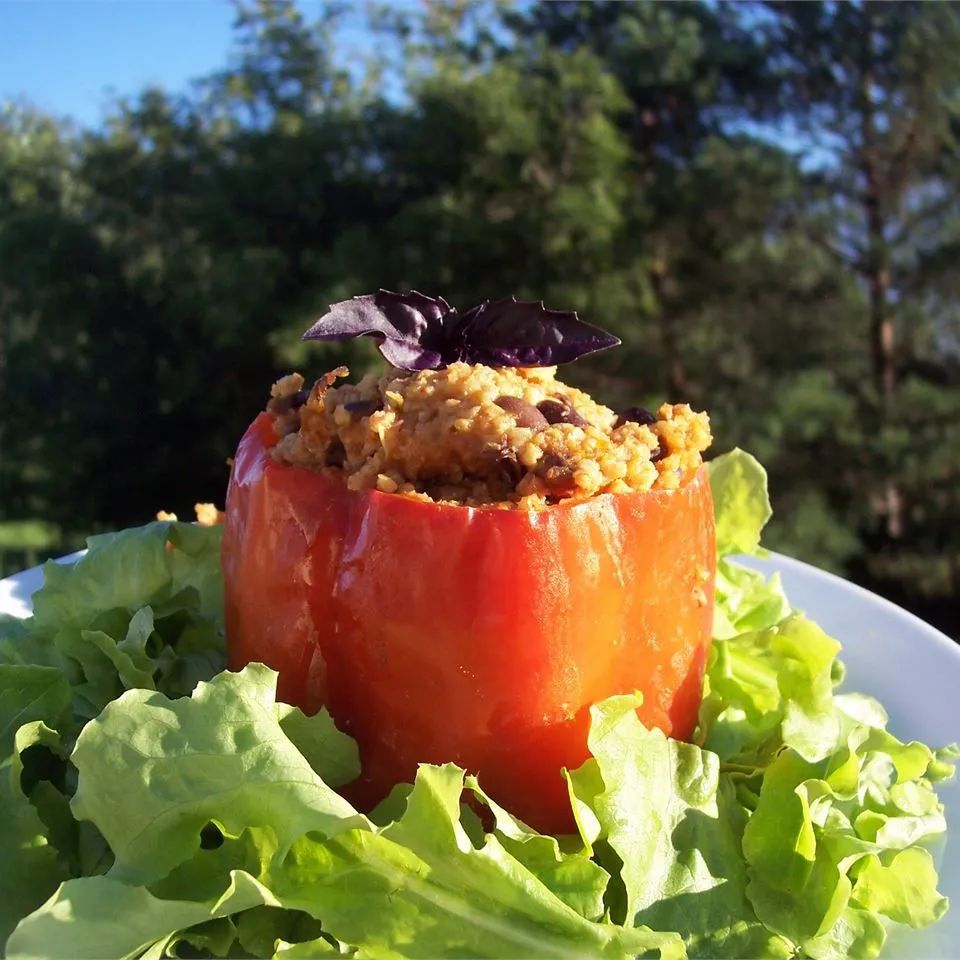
836, 254
896, 177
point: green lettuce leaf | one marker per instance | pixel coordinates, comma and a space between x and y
420, 888
571, 875
153, 772
829, 794
902, 887
818, 828
29, 693
261, 930
311, 948
771, 688
745, 601
32, 867
21, 646
740, 501
796, 888
33, 699
856, 934
676, 828
97, 917
93, 635
333, 755
142, 609
129, 569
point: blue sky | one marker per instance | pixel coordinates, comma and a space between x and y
70, 57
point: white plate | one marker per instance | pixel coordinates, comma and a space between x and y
16, 591
913, 669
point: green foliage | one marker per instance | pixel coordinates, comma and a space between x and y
647, 164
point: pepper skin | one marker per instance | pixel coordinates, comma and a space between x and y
443, 633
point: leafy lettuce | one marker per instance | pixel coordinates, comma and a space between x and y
139, 781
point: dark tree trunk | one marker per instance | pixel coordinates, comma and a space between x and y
877, 268
878, 278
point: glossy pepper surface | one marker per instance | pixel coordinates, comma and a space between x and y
437, 633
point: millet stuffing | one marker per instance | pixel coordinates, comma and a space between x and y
507, 438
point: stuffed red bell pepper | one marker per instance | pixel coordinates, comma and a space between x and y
459, 557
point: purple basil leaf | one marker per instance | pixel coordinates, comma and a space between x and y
524, 333
409, 326
411, 356
417, 332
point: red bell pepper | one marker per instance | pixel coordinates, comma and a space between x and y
442, 633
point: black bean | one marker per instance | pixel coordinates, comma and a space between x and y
278, 406
658, 453
363, 408
639, 415
558, 411
510, 469
526, 414
336, 455
557, 474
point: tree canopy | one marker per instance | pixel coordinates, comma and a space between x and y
758, 198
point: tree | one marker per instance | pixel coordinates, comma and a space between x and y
875, 84
49, 258
685, 70
643, 163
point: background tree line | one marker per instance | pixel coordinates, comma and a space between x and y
760, 199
